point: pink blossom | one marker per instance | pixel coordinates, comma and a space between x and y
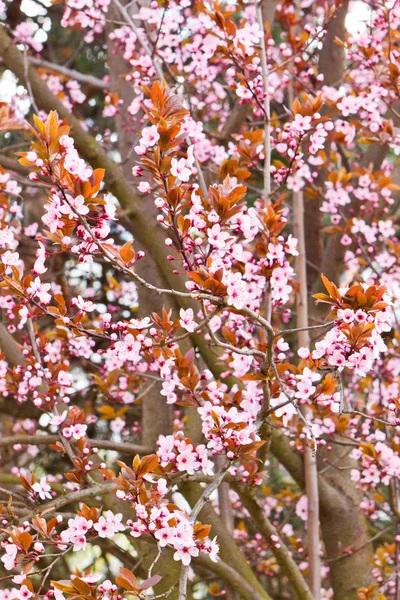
168, 390
9, 558
6, 236
39, 289
185, 553
150, 136
109, 525
301, 124
302, 508
216, 237
287, 411
42, 488
76, 431
76, 165
10, 258
186, 319
236, 290
144, 187
180, 170
39, 267
83, 305
64, 378
76, 532
128, 348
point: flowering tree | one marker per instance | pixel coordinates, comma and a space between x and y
199, 269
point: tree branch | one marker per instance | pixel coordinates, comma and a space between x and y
71, 73
310, 462
122, 447
193, 516
278, 548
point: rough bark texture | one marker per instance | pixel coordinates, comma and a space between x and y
345, 526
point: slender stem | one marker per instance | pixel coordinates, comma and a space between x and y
71, 73
38, 439
310, 463
298, 329
193, 516
36, 353
267, 107
224, 501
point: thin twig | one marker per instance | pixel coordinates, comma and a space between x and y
193, 516
267, 107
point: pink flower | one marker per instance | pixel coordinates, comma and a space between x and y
128, 348
137, 171
78, 204
302, 508
179, 169
76, 533
9, 558
31, 156
212, 549
287, 411
275, 252
236, 290
76, 165
140, 150
39, 289
168, 388
305, 387
78, 431
346, 315
53, 217
360, 316
6, 236
216, 237
58, 419
185, 553
39, 267
187, 461
83, 305
10, 258
25, 32
162, 487
166, 453
42, 488
109, 525
303, 352
66, 141
301, 124
291, 246
24, 593
186, 319
64, 378
349, 104
150, 136
23, 313
144, 187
